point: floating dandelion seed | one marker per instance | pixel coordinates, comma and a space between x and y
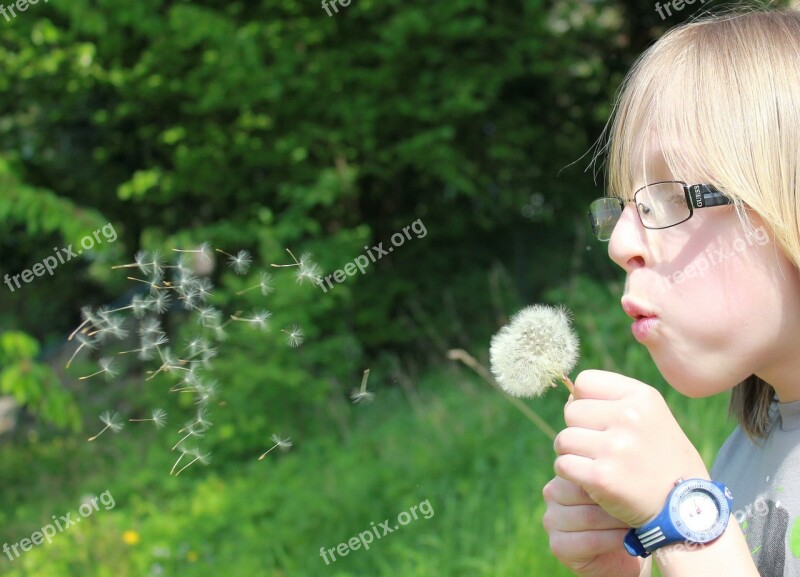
111, 421
191, 431
258, 319
142, 262
536, 349
294, 336
308, 271
291, 254
107, 367
239, 263
88, 319
86, 342
265, 285
282, 444
158, 418
363, 396
204, 250
205, 459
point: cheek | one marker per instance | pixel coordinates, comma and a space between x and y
721, 316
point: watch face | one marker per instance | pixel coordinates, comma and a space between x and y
698, 510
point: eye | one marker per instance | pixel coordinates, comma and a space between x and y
644, 210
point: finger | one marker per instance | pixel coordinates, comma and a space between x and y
564, 492
594, 384
579, 441
586, 544
574, 468
580, 518
590, 413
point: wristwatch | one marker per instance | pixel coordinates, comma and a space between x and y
697, 511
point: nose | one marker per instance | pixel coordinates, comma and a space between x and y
627, 244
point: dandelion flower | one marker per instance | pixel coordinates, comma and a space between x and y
536, 349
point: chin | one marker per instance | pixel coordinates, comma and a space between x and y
694, 386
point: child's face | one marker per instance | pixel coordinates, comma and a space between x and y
727, 303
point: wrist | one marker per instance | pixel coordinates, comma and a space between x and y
696, 511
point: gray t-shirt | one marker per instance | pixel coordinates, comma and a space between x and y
764, 478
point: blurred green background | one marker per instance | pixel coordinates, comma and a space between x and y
269, 125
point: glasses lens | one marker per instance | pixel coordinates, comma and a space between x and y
662, 205
604, 214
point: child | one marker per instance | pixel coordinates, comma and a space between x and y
714, 290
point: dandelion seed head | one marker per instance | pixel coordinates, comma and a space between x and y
161, 303
107, 366
282, 444
142, 261
266, 283
362, 397
159, 417
294, 336
534, 351
87, 341
241, 262
308, 272
260, 318
150, 326
112, 421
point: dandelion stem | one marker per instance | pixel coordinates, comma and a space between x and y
100, 433
182, 440
69, 362
364, 381
265, 454
187, 466
176, 463
101, 371
471, 362
296, 262
72, 335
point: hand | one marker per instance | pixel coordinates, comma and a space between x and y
623, 446
586, 539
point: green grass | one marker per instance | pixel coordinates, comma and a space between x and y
462, 447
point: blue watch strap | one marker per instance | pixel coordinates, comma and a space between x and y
662, 531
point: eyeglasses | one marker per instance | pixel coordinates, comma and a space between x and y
659, 205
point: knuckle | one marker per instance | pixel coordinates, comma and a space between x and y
547, 520
547, 491
558, 443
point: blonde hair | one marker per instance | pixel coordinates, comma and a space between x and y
720, 98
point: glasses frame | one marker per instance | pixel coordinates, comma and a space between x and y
696, 195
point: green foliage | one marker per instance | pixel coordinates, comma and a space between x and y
33, 384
